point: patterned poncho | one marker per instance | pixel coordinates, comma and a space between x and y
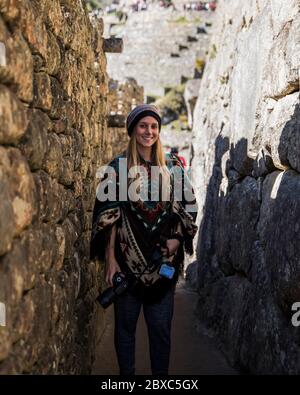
140, 225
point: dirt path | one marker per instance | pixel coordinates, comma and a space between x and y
193, 353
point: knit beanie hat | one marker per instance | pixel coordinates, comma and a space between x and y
139, 112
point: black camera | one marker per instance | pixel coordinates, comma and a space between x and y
120, 285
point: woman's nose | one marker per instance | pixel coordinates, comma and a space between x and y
148, 128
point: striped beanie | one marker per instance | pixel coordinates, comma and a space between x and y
139, 112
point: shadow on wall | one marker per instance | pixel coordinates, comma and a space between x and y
289, 145
248, 254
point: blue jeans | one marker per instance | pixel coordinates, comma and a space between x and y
158, 317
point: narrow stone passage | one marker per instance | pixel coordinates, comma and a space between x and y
227, 85
193, 352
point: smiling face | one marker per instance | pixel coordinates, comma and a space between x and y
147, 132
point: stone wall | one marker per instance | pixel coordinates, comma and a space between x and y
246, 148
122, 98
53, 133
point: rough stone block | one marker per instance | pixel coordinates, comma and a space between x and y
41, 40
34, 143
21, 190
7, 218
116, 121
57, 99
9, 10
16, 65
70, 237
54, 201
67, 173
235, 228
13, 117
281, 74
279, 231
42, 98
279, 129
222, 298
20, 64
53, 158
113, 45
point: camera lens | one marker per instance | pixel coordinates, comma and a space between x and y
106, 297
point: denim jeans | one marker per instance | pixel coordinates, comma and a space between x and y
158, 317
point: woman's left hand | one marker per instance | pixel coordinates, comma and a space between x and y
172, 245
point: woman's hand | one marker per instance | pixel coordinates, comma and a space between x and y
172, 247
112, 267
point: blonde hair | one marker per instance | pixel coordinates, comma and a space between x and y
157, 157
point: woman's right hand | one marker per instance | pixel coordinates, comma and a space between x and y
112, 267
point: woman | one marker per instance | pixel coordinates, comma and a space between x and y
130, 232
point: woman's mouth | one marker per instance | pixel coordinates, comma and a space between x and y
147, 138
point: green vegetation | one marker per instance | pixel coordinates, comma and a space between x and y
180, 20
224, 78
213, 52
197, 20
180, 124
183, 20
199, 64
172, 107
95, 4
172, 100
151, 99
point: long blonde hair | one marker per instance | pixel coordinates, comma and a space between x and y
157, 157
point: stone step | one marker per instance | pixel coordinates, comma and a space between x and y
151, 47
